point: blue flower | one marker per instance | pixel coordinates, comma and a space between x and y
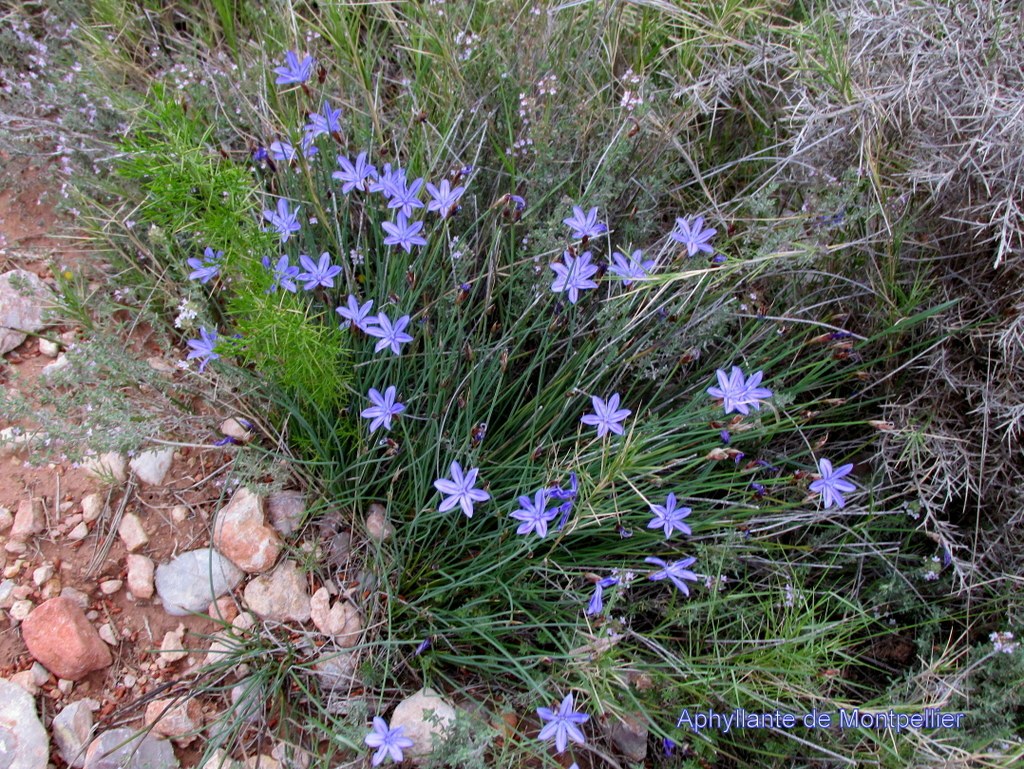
596, 605
321, 273
358, 316
635, 267
391, 742
444, 198
283, 220
207, 268
669, 517
831, 484
384, 408
203, 347
675, 571
326, 121
354, 175
294, 72
284, 274
607, 416
385, 182
403, 233
573, 275
739, 393
390, 334
563, 724
693, 235
534, 514
286, 153
406, 196
460, 490
570, 494
584, 225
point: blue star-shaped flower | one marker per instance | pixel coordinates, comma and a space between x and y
203, 347
284, 274
831, 484
669, 518
631, 268
385, 407
319, 273
403, 233
354, 175
607, 416
585, 225
675, 571
294, 72
562, 724
358, 315
460, 490
326, 121
739, 393
390, 742
406, 196
206, 269
390, 334
534, 514
573, 275
693, 235
284, 220
444, 198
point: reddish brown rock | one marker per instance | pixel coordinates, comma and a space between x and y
242, 534
62, 639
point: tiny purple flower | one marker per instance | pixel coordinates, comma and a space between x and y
596, 605
354, 175
284, 220
284, 274
573, 275
203, 347
534, 514
326, 121
739, 393
631, 268
669, 518
585, 225
403, 233
406, 196
425, 644
384, 408
206, 269
294, 72
607, 416
391, 742
831, 484
562, 724
460, 490
358, 315
675, 571
693, 235
320, 273
444, 198
390, 334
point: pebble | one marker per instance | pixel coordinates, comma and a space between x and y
280, 595
179, 513
65, 686
76, 595
23, 301
16, 547
286, 510
181, 721
128, 749
189, 582
72, 730
107, 634
110, 586
39, 674
21, 609
224, 609
49, 348
23, 740
341, 621
26, 681
58, 635
6, 519
42, 574
140, 576
92, 507
80, 532
29, 520
172, 648
132, 533
377, 527
411, 714
629, 735
241, 533
233, 428
151, 466
50, 369
7, 598
111, 466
